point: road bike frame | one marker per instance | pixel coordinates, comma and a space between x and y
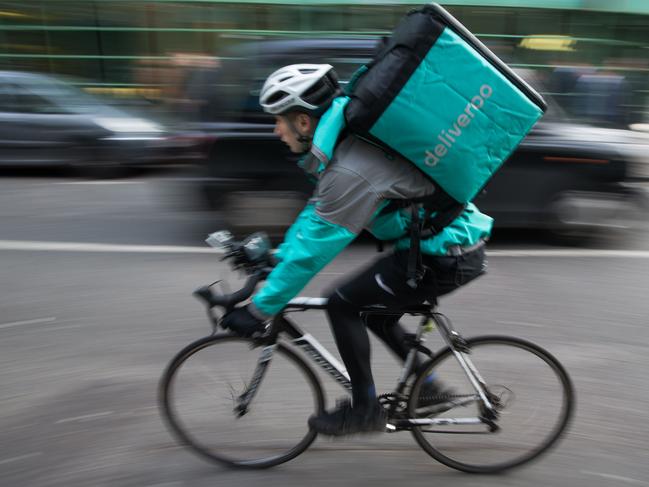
409, 407
327, 362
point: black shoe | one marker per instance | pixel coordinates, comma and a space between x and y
433, 393
345, 420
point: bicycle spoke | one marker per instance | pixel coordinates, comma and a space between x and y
530, 393
217, 419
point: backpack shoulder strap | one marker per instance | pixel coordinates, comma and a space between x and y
426, 228
444, 217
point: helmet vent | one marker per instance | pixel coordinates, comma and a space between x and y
314, 90
275, 97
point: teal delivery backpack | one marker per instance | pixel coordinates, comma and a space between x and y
437, 96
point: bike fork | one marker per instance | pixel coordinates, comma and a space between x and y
244, 400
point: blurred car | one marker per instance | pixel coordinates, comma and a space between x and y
47, 121
572, 178
250, 177
568, 177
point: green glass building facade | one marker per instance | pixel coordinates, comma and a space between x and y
122, 45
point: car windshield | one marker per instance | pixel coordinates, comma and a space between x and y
65, 95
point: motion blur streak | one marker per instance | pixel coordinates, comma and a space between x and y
129, 131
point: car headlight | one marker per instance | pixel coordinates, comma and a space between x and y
132, 125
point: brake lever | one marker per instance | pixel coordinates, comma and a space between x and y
204, 293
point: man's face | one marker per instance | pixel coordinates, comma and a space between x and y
301, 122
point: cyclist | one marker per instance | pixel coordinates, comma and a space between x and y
356, 189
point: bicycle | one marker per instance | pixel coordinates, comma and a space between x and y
506, 388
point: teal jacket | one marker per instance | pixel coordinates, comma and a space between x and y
356, 181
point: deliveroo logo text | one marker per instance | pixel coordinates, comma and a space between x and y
449, 136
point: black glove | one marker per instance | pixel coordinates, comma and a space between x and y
242, 322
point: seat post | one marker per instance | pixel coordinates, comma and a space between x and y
416, 341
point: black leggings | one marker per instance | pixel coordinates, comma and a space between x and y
384, 283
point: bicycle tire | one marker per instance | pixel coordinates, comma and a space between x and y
512, 369
179, 424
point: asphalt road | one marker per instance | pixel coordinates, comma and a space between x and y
85, 332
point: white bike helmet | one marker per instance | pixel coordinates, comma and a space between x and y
308, 88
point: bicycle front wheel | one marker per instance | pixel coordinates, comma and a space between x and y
201, 394
532, 394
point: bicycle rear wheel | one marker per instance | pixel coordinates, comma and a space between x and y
200, 390
531, 389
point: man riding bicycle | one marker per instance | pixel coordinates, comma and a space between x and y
362, 186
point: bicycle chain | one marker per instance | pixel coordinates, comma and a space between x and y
402, 400
444, 397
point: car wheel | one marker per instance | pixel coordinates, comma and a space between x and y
244, 212
92, 163
105, 171
565, 223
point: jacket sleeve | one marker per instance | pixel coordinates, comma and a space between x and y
304, 215
321, 233
314, 244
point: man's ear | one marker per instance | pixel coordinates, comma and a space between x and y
304, 122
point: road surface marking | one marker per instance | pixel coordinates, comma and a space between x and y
28, 322
99, 247
638, 254
21, 457
616, 477
85, 417
34, 245
102, 183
